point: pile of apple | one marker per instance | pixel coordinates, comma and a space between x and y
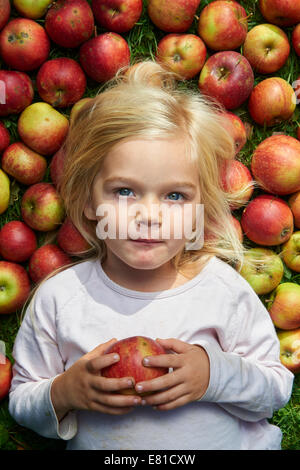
45, 93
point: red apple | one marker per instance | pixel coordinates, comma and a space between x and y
275, 164
267, 48
117, 15
272, 101
102, 56
236, 180
5, 376
61, 82
223, 25
294, 203
42, 207
19, 92
57, 166
296, 39
14, 286
4, 137
176, 16
284, 306
132, 352
184, 54
70, 23
70, 239
238, 227
228, 77
264, 277
42, 128
24, 44
33, 9
23, 164
236, 128
45, 260
280, 12
4, 12
267, 220
291, 252
17, 241
290, 349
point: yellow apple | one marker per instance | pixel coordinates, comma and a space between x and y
290, 349
4, 191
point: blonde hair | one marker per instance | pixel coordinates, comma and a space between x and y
145, 101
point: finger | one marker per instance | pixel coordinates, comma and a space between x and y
95, 364
165, 381
163, 360
100, 349
110, 409
175, 344
180, 401
117, 400
166, 396
112, 384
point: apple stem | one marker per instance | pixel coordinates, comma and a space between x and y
197, 17
95, 31
245, 18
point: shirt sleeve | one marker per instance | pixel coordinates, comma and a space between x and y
249, 380
37, 361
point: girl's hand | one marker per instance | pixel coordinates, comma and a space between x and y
82, 387
188, 381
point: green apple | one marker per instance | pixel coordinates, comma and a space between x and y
4, 191
284, 306
290, 349
265, 277
42, 128
33, 9
291, 252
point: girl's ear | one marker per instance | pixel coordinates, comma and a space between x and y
89, 211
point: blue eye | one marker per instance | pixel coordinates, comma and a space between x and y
177, 193
122, 189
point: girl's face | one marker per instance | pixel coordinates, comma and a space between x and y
143, 189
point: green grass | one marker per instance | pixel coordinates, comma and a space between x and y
142, 40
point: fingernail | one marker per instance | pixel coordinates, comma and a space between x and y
144, 402
130, 383
139, 387
116, 357
136, 401
146, 361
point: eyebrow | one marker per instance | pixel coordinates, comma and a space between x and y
181, 184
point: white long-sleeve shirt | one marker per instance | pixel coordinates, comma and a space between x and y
81, 307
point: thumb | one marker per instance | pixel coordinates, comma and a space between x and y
175, 344
101, 348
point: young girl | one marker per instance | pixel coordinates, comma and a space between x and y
145, 142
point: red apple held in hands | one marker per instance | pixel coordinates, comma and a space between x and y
184, 54
262, 278
17, 241
19, 92
4, 137
132, 352
284, 306
33, 9
102, 56
272, 101
57, 166
223, 25
70, 239
70, 23
236, 128
291, 252
23, 164
228, 77
267, 220
236, 180
118, 16
24, 44
176, 16
280, 12
42, 207
5, 375
267, 48
296, 39
294, 203
61, 82
290, 349
275, 164
42, 128
4, 12
14, 286
45, 260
